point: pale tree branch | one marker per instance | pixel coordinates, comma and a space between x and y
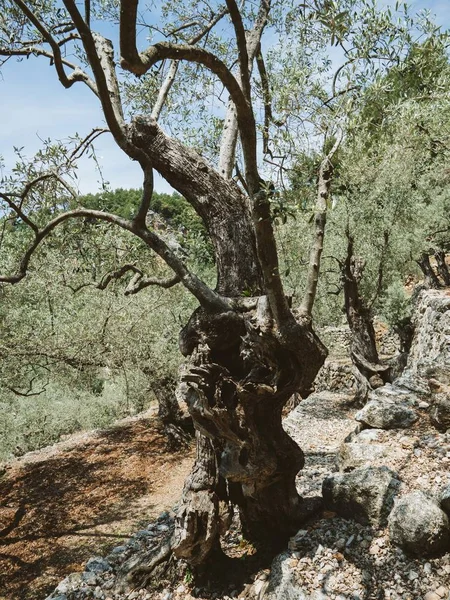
325, 178
99, 53
140, 63
173, 69
164, 90
228, 144
206, 296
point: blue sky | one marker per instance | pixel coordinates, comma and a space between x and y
34, 105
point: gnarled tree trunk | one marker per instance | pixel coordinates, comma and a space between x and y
241, 368
236, 382
363, 349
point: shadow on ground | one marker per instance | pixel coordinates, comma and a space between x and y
56, 513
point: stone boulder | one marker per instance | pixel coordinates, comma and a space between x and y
385, 410
418, 525
370, 447
365, 495
440, 413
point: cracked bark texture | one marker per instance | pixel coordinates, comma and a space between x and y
236, 382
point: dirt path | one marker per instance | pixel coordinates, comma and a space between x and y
78, 498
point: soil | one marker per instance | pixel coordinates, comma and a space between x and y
81, 497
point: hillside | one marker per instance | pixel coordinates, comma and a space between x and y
80, 496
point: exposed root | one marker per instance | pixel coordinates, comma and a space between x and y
140, 574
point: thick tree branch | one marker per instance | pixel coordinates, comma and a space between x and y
221, 204
381, 266
241, 42
99, 53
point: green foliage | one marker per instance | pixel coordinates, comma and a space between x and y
396, 305
76, 357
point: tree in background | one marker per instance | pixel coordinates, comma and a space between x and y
109, 355
391, 192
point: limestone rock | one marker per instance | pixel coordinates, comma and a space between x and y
368, 449
440, 413
429, 356
418, 525
365, 495
282, 585
97, 564
385, 413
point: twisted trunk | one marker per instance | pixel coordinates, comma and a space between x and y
363, 349
239, 376
242, 365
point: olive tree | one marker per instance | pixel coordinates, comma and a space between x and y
246, 353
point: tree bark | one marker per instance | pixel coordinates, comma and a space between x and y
431, 279
236, 382
221, 204
363, 349
442, 267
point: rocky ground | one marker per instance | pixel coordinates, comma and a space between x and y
332, 558
81, 496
